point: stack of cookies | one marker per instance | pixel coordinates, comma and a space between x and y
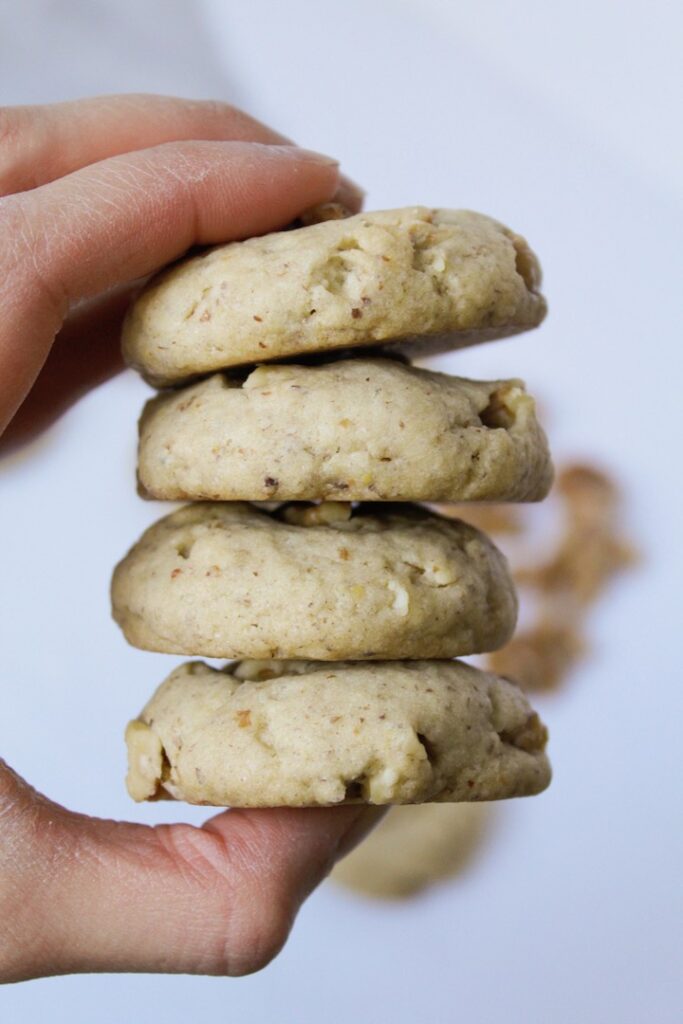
293, 422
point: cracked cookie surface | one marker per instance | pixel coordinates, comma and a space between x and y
263, 734
230, 580
354, 429
443, 278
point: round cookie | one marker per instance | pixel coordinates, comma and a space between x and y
229, 580
303, 734
354, 429
446, 277
413, 847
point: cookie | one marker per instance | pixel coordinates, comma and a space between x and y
413, 847
354, 429
446, 277
229, 580
301, 734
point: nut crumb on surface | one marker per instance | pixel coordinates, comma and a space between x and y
588, 554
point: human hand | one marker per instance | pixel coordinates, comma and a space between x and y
93, 196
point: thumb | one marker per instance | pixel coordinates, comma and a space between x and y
85, 894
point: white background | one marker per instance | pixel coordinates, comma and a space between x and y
560, 119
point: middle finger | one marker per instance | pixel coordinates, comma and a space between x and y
43, 143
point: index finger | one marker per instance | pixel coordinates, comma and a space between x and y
123, 218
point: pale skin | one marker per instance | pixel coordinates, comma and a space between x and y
95, 195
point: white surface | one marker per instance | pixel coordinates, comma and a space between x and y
571, 913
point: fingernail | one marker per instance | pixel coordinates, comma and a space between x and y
308, 156
350, 190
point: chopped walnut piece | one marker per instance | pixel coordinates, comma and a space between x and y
590, 551
540, 658
324, 514
501, 411
251, 670
530, 736
584, 563
145, 760
588, 492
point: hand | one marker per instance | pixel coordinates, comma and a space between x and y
95, 195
